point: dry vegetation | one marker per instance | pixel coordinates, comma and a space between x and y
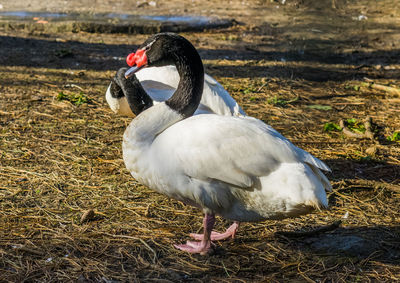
60, 157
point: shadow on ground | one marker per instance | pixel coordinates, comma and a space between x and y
378, 243
371, 169
17, 51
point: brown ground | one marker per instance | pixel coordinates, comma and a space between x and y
59, 159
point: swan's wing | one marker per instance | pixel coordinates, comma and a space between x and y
231, 149
215, 98
167, 75
218, 99
210, 80
158, 91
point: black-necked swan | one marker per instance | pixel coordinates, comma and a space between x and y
160, 84
236, 167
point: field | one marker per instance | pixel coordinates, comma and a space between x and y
70, 211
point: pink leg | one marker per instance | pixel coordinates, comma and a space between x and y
204, 246
215, 236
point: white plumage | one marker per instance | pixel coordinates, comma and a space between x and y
234, 166
160, 84
237, 167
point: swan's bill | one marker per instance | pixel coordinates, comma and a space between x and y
129, 73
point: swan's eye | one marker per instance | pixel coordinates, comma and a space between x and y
148, 46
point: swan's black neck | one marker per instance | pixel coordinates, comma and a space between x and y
136, 96
139, 100
166, 49
187, 96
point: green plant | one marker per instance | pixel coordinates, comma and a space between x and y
251, 88
354, 87
76, 98
230, 37
395, 137
61, 96
277, 101
331, 126
355, 126
320, 107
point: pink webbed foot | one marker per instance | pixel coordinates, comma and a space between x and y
202, 247
215, 236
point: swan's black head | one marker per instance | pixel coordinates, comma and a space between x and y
161, 49
165, 49
131, 89
116, 85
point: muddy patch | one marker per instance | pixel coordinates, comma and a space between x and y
108, 22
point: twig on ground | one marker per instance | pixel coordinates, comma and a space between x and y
261, 87
371, 84
376, 184
349, 133
73, 86
368, 130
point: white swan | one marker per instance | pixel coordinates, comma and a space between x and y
236, 167
160, 84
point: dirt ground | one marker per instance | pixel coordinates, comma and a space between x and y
300, 66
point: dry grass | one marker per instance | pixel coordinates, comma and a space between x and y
58, 160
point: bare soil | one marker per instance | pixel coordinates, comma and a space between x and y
297, 66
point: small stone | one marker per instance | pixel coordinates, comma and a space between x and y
389, 68
141, 4
87, 215
371, 150
362, 17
